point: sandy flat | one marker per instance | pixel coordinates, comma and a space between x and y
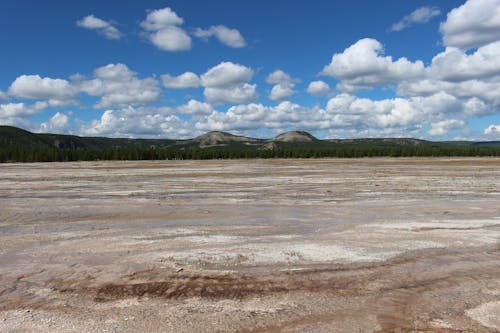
327, 245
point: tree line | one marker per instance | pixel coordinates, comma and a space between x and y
23, 154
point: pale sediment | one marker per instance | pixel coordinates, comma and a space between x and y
370, 245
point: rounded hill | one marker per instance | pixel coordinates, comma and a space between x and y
294, 136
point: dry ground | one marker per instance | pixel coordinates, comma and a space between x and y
330, 245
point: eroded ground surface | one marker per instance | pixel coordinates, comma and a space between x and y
368, 245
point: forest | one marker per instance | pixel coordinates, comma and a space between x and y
18, 145
19, 154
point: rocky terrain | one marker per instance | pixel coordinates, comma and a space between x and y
326, 245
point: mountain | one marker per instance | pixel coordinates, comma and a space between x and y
215, 138
13, 138
294, 136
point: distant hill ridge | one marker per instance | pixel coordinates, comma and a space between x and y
16, 137
220, 138
294, 136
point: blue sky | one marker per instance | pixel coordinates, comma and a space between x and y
426, 69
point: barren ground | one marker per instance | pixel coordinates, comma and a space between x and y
330, 245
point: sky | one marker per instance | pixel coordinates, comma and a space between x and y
178, 69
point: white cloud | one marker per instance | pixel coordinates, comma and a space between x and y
283, 85
21, 109
59, 123
345, 115
455, 65
467, 84
279, 76
486, 94
363, 65
102, 27
492, 130
345, 112
318, 88
239, 117
474, 78
15, 114
444, 126
226, 74
240, 93
475, 23
162, 29
227, 36
227, 82
16, 121
418, 16
282, 91
393, 112
118, 85
161, 18
183, 81
171, 38
131, 122
57, 91
250, 117
194, 107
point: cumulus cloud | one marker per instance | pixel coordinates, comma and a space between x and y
162, 29
473, 78
393, 112
16, 121
253, 116
15, 114
116, 84
283, 85
183, 81
196, 108
474, 24
455, 65
226, 74
492, 130
344, 112
143, 122
227, 36
318, 88
227, 82
171, 39
102, 27
241, 93
58, 123
364, 65
282, 91
161, 18
471, 89
418, 16
444, 126
58, 91
469, 81
21, 109
279, 76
